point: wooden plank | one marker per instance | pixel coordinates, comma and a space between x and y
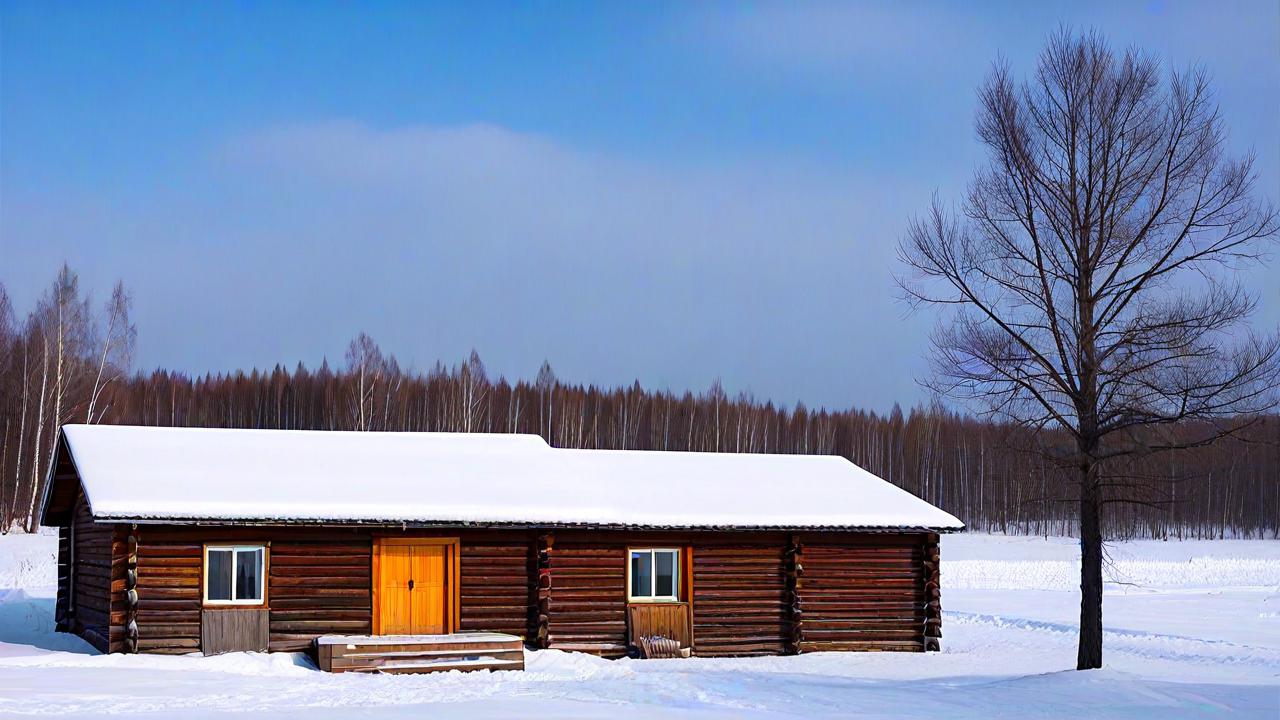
234, 629
429, 653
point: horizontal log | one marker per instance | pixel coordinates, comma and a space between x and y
873, 558
482, 601
278, 583
494, 548
319, 560
587, 591
323, 627
168, 617
819, 583
908, 621
725, 649
292, 615
100, 563
230, 533
497, 611
309, 601
838, 605
147, 582
614, 604
151, 562
878, 634
822, 550
500, 581
291, 592
470, 557
179, 645
169, 630
579, 589
702, 593
281, 549
738, 561
148, 549
729, 553
745, 635
858, 571
861, 646
565, 619
170, 593
593, 550
359, 570
169, 571
471, 598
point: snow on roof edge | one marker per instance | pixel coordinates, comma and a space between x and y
500, 524
471, 480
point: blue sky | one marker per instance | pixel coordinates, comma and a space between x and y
663, 192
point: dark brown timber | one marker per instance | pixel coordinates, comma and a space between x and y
139, 588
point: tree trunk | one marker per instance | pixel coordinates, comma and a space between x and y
1090, 653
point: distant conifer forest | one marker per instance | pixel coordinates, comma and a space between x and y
70, 360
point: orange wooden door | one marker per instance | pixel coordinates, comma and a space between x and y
427, 604
412, 589
394, 596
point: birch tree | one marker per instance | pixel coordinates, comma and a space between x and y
116, 351
366, 366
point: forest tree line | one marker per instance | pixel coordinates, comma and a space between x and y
70, 361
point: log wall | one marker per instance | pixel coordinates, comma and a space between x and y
862, 593
752, 593
495, 574
124, 589
86, 578
62, 605
587, 603
740, 602
319, 583
933, 593
168, 588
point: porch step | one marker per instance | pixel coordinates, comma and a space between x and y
445, 666
407, 653
419, 653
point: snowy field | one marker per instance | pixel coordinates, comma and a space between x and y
1193, 631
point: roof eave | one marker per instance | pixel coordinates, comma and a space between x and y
513, 525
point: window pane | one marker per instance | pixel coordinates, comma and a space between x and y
664, 574
217, 579
248, 573
641, 574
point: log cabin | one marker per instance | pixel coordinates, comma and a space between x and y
180, 540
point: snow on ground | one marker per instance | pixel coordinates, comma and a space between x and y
1193, 631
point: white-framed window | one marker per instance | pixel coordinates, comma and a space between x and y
653, 575
235, 574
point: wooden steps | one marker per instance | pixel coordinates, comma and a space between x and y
419, 653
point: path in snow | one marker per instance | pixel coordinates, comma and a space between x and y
1194, 631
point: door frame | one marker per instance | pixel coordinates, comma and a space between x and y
452, 592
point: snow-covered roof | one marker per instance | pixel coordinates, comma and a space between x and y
152, 473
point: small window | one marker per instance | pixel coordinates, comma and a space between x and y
234, 574
654, 575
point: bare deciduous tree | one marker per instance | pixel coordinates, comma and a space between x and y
473, 393
1087, 279
367, 366
117, 349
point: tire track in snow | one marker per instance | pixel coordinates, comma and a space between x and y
1158, 646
